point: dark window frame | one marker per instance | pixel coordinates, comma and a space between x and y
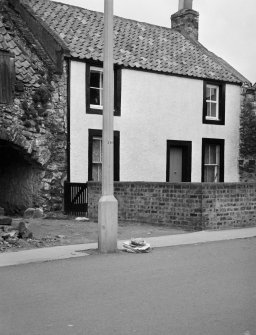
117, 91
221, 103
98, 133
221, 143
186, 159
7, 77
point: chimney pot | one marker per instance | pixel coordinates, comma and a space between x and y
185, 4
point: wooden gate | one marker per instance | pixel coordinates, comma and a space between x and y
75, 199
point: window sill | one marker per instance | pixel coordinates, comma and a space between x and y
94, 111
98, 111
209, 118
214, 121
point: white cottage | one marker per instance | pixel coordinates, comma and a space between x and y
177, 105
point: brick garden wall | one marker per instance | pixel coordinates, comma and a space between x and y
193, 206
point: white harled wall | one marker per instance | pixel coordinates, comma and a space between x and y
154, 108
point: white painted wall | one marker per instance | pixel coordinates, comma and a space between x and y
155, 108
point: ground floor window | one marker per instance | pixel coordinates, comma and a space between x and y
212, 160
95, 155
96, 158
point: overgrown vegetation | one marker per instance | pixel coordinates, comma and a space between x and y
248, 131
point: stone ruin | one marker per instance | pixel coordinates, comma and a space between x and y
33, 125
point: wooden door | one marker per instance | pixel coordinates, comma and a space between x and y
175, 172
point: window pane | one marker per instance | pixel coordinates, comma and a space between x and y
217, 174
96, 172
212, 154
207, 154
95, 96
95, 79
96, 150
213, 94
209, 174
218, 155
208, 94
208, 113
213, 110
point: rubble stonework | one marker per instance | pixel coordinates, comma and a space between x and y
33, 127
186, 22
247, 161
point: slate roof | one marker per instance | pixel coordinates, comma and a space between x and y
136, 44
26, 63
24, 71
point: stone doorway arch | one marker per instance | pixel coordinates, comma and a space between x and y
20, 174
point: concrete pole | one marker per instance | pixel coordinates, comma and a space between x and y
108, 206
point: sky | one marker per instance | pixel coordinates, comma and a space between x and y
226, 27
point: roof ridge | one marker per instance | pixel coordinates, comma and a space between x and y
115, 16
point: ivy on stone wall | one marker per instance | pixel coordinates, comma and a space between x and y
248, 131
35, 112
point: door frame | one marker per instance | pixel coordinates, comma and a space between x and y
186, 147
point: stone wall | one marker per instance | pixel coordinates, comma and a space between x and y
41, 138
34, 124
193, 206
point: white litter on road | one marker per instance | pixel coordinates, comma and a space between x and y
82, 219
136, 245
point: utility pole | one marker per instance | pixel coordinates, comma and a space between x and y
108, 206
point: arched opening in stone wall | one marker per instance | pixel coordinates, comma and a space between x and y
20, 179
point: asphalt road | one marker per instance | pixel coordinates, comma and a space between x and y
207, 289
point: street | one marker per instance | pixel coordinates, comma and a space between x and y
206, 289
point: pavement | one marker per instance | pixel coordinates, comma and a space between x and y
81, 250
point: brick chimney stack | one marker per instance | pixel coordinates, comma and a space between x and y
185, 20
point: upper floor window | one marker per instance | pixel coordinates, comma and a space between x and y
214, 103
7, 77
94, 90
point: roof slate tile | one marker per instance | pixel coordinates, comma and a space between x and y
136, 44
10, 24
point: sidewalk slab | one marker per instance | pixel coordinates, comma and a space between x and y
44, 254
79, 250
201, 237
